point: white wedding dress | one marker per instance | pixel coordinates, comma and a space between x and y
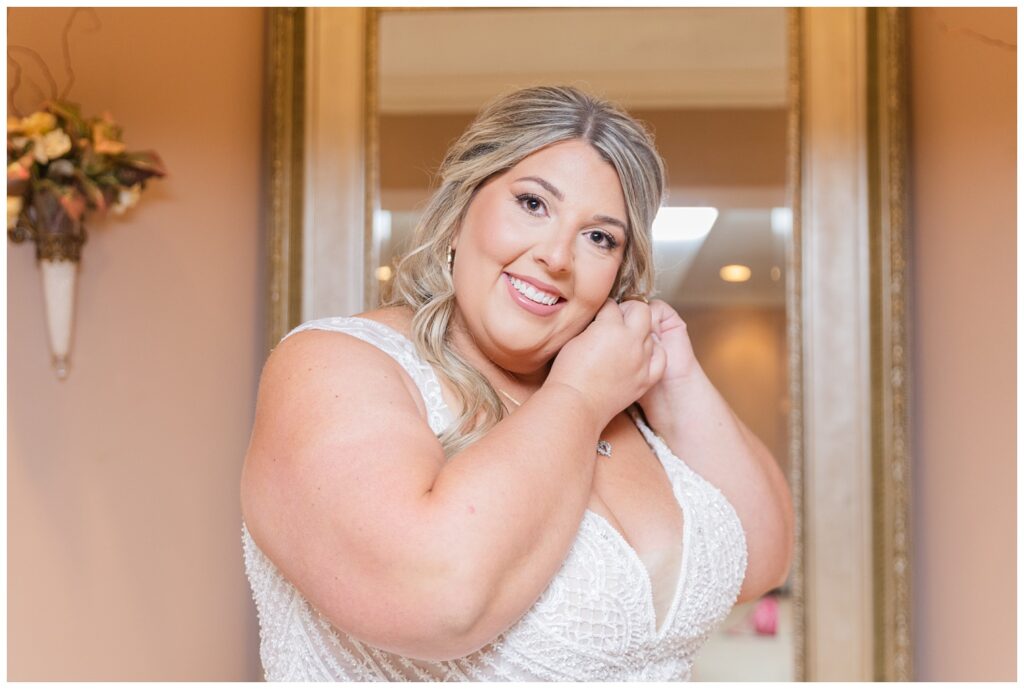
595, 620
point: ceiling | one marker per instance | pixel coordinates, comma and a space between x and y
688, 272
454, 60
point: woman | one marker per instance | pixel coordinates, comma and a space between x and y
460, 485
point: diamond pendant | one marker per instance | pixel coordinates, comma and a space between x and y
604, 448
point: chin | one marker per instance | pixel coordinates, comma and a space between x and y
520, 349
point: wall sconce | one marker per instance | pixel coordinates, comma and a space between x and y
58, 241
59, 166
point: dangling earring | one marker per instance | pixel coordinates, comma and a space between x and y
451, 259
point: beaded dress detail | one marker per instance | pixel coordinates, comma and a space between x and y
595, 620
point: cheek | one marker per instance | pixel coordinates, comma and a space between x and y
497, 239
600, 280
503, 245
484, 251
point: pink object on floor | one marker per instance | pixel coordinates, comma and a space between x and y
766, 616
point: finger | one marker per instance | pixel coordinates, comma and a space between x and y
637, 316
662, 314
659, 360
610, 312
630, 308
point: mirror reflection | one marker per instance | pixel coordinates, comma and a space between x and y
711, 85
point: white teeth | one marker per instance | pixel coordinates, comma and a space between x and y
531, 293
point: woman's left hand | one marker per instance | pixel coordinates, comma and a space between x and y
681, 363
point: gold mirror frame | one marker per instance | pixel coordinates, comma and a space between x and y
847, 303
284, 108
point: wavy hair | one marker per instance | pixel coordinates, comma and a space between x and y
506, 131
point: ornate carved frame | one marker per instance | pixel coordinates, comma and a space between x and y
848, 301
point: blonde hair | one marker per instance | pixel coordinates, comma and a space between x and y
505, 132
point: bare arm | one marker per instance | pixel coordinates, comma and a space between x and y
346, 489
700, 427
697, 423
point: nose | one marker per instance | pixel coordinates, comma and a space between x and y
556, 252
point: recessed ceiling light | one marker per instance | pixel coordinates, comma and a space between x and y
735, 273
382, 225
683, 223
782, 220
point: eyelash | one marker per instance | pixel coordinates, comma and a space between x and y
521, 198
610, 241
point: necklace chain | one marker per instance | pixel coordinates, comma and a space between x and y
514, 400
604, 448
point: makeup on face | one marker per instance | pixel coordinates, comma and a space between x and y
538, 252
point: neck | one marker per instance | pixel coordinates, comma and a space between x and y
519, 384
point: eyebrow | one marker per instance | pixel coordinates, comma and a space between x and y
612, 221
553, 190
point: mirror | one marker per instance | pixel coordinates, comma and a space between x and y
788, 122
711, 85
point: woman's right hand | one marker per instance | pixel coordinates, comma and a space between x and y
614, 361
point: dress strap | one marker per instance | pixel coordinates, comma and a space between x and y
669, 459
399, 348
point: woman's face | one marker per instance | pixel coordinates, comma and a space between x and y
537, 254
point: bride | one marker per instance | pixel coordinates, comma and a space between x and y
515, 469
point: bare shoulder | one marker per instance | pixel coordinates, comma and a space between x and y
397, 318
332, 351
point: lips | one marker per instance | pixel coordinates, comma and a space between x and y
539, 285
528, 304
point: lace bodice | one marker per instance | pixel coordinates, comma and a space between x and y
595, 620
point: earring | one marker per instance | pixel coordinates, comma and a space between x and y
451, 259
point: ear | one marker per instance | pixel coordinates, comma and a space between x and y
455, 239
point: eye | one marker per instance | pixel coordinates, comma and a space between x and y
602, 239
531, 203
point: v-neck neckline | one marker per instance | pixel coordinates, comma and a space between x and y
658, 631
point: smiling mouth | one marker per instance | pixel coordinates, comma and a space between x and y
532, 293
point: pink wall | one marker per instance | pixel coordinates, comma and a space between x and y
963, 120
124, 556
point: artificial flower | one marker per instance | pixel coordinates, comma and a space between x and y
104, 136
37, 123
61, 170
74, 204
61, 165
51, 145
127, 198
18, 170
14, 204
